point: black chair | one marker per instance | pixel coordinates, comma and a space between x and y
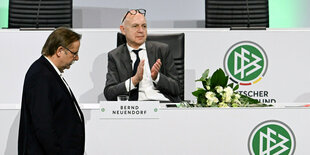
176, 45
236, 13
40, 13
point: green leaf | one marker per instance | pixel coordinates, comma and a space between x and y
201, 100
236, 87
201, 79
219, 78
204, 83
205, 74
208, 82
198, 92
225, 81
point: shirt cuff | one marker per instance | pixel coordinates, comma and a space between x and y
157, 79
131, 85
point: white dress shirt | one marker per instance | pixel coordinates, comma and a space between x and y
147, 91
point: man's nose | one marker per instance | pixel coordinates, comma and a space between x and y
76, 58
140, 29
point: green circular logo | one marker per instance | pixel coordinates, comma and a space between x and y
102, 109
246, 63
272, 137
155, 110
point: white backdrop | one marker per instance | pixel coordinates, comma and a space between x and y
286, 80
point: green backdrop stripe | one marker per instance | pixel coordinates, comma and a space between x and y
284, 14
4, 13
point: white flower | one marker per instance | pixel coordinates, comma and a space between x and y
208, 87
229, 91
209, 94
214, 99
223, 105
226, 97
237, 96
211, 98
209, 102
219, 89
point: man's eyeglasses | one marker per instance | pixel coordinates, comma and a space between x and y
134, 12
73, 53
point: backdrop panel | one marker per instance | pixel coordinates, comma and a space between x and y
282, 59
178, 131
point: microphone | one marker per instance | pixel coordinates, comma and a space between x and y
130, 82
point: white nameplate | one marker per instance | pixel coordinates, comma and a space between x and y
129, 109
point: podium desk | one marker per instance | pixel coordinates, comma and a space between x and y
177, 131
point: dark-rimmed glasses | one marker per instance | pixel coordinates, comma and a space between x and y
134, 12
75, 54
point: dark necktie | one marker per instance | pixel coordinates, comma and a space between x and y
134, 93
136, 64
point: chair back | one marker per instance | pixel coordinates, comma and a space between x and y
40, 13
236, 13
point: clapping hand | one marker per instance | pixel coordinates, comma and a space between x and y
139, 75
155, 69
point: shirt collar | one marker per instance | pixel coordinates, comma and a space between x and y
130, 48
57, 70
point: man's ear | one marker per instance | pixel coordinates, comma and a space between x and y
58, 51
122, 29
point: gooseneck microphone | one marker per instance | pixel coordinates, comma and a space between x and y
130, 82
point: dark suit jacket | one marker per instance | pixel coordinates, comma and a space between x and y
120, 69
49, 121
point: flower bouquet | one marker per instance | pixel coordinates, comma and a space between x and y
216, 92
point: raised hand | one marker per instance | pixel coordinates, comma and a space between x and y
139, 75
155, 69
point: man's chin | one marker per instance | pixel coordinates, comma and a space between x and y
140, 42
68, 67
140, 39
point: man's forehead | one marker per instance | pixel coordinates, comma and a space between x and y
138, 23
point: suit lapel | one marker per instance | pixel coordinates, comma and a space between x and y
61, 83
127, 62
55, 74
150, 54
